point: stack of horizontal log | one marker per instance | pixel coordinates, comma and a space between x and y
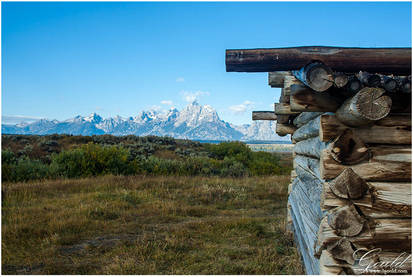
348, 112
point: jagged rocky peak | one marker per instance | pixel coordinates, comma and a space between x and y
93, 118
195, 121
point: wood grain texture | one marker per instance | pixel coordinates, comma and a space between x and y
276, 79
382, 200
388, 234
263, 115
308, 130
377, 60
311, 147
284, 109
389, 130
305, 117
303, 99
367, 106
348, 148
283, 129
387, 163
316, 76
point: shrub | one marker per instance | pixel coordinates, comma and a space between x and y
91, 160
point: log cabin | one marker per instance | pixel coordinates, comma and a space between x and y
348, 112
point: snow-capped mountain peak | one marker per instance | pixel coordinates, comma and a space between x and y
195, 121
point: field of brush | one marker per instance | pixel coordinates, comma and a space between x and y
145, 223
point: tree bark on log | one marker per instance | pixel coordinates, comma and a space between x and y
389, 130
283, 129
316, 76
387, 163
303, 99
276, 79
309, 130
378, 60
263, 115
367, 106
305, 117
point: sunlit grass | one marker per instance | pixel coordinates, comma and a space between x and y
147, 225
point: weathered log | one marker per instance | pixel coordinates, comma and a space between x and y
382, 200
289, 223
283, 108
308, 130
389, 130
387, 163
367, 106
288, 82
283, 119
348, 148
311, 165
378, 60
369, 80
303, 99
330, 266
376, 259
401, 103
284, 98
353, 86
310, 263
263, 115
342, 250
283, 129
406, 85
312, 188
305, 224
276, 79
388, 83
307, 209
310, 147
346, 221
348, 185
388, 234
305, 117
316, 76
340, 79
293, 176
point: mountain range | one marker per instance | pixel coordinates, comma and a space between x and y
195, 121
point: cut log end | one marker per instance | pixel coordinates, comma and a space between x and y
342, 250
320, 78
373, 105
348, 185
346, 221
367, 106
349, 149
340, 80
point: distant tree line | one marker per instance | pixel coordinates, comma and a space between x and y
64, 156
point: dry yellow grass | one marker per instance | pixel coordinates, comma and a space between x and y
147, 225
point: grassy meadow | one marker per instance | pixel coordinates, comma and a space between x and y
216, 212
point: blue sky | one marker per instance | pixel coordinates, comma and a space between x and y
64, 59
